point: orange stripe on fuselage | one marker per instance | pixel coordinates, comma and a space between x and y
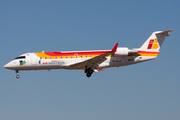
148, 53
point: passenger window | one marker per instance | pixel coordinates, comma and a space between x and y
50, 57
56, 57
45, 57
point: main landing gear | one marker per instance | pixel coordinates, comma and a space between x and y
89, 72
17, 76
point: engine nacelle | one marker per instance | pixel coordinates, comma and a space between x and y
124, 51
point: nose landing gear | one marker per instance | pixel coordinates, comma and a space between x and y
17, 76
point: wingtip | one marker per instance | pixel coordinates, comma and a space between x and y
115, 48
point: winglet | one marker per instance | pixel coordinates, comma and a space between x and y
115, 47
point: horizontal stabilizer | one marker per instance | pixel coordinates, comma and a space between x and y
165, 32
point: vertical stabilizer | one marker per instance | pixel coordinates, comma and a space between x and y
154, 42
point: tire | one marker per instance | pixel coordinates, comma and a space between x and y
88, 74
17, 76
90, 71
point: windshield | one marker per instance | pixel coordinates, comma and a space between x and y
20, 57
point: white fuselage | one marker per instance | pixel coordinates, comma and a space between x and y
32, 62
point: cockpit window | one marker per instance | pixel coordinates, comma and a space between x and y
21, 57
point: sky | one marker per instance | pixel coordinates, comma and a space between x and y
144, 91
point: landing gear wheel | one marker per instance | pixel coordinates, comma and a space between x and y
88, 74
90, 71
17, 76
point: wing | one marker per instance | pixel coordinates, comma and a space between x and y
93, 62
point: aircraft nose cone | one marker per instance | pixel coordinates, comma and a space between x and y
11, 65
7, 66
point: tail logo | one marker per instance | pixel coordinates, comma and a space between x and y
153, 44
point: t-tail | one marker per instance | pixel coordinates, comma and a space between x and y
154, 42
150, 49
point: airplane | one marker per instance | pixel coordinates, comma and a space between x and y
90, 61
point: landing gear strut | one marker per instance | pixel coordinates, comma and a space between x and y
17, 76
89, 72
